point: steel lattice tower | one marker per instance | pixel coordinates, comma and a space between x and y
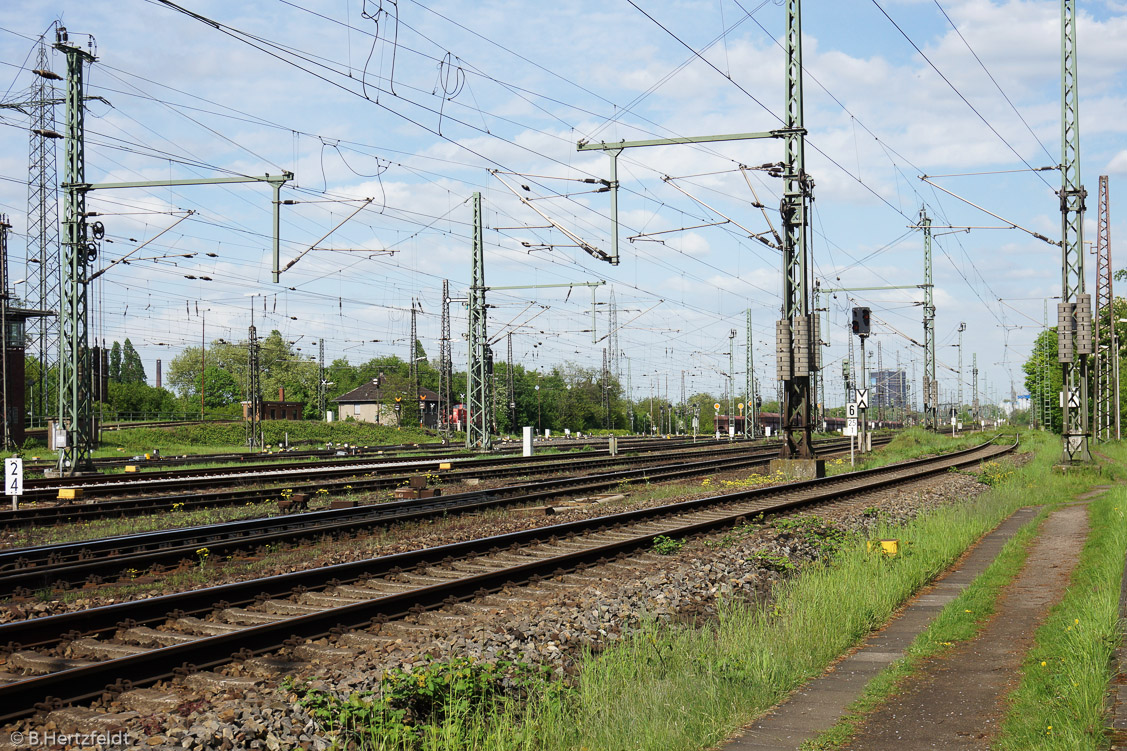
974, 376
613, 355
445, 362
321, 379
8, 418
75, 406
511, 383
477, 379
930, 387
796, 331
42, 269
1074, 310
254, 389
1107, 345
959, 405
413, 361
751, 424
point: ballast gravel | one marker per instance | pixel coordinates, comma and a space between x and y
243, 705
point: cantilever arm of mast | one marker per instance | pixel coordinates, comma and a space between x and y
873, 289
127, 256
275, 181
546, 286
614, 149
591, 249
604, 146
1012, 225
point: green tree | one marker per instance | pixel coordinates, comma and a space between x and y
183, 373
1044, 357
139, 400
115, 363
220, 388
132, 370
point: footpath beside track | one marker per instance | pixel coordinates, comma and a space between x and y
79, 656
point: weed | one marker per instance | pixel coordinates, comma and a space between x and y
779, 563
667, 545
814, 531
409, 706
993, 473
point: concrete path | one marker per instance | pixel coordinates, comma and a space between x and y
954, 702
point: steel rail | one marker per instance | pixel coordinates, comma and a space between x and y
42, 489
25, 569
85, 682
368, 481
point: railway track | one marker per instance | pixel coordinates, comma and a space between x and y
186, 495
24, 570
117, 462
40, 490
52, 661
104, 463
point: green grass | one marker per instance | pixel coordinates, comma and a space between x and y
670, 687
962, 619
232, 436
909, 444
1060, 702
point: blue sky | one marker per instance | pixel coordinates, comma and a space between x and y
454, 89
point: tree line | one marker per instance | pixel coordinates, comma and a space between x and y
214, 383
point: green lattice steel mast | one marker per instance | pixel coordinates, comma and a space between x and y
796, 331
931, 388
75, 407
751, 424
1073, 345
477, 400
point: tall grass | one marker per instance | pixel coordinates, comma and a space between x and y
671, 687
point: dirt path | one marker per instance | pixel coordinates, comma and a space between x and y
957, 701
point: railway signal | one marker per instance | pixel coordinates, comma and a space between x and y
862, 321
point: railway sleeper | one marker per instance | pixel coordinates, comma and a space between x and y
150, 637
271, 667
210, 681
249, 617
366, 640
37, 663
289, 608
102, 650
148, 701
321, 653
328, 599
193, 625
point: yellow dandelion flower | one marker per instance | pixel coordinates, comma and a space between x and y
1043, 663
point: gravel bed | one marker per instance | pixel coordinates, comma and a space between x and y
367, 544
243, 705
